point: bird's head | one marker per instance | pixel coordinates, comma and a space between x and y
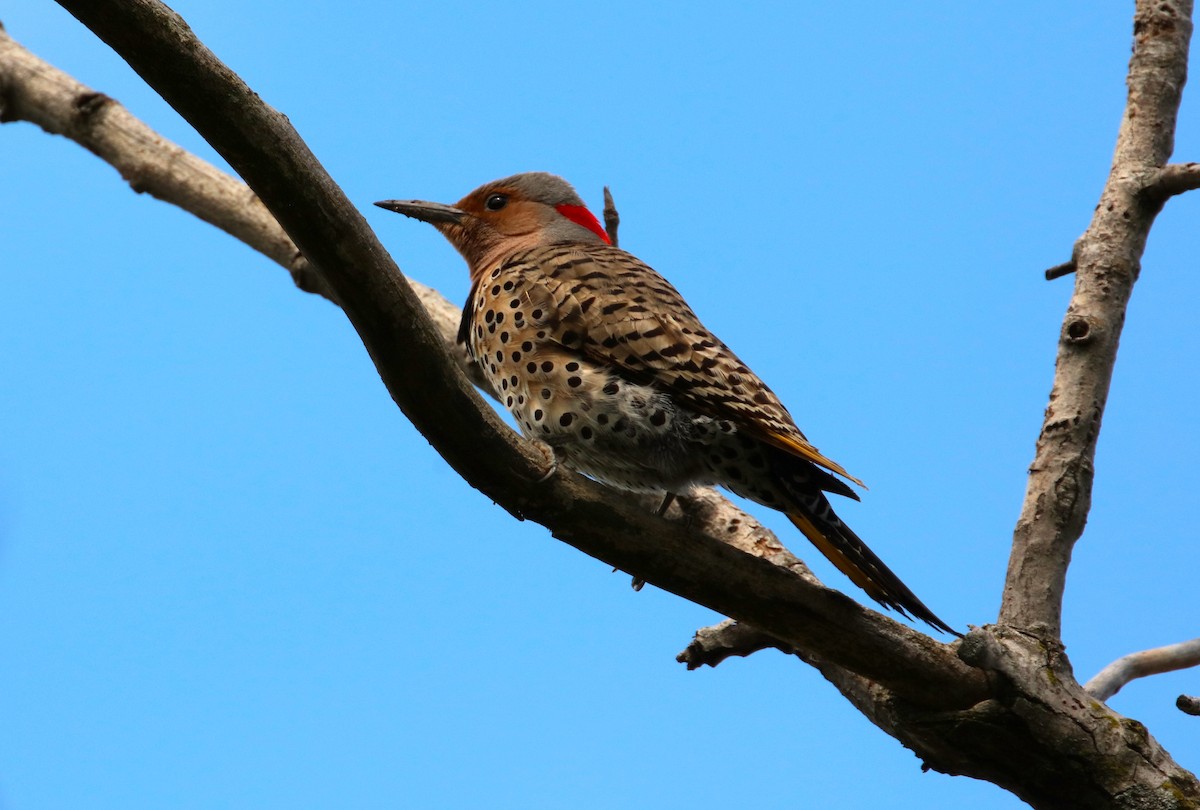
504, 216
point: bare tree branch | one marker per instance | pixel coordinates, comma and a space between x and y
1109, 680
33, 90
261, 145
1189, 704
1012, 713
1107, 258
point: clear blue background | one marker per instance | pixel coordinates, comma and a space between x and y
232, 574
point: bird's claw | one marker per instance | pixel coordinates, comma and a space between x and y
551, 459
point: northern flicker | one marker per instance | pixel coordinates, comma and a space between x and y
598, 356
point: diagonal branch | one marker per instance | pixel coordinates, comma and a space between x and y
35, 91
1107, 259
1109, 680
260, 144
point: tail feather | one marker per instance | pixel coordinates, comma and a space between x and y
815, 518
796, 486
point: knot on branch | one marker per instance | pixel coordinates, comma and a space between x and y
1077, 331
89, 103
1015, 653
980, 649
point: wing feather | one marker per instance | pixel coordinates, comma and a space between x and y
617, 310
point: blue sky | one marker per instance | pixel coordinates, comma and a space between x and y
232, 574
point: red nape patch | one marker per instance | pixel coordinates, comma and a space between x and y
581, 216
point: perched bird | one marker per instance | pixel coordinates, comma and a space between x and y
600, 357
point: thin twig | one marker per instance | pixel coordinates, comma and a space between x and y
612, 220
1109, 680
1060, 270
1172, 179
728, 639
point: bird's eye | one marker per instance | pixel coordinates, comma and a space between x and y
495, 202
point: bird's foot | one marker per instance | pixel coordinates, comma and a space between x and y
551, 460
